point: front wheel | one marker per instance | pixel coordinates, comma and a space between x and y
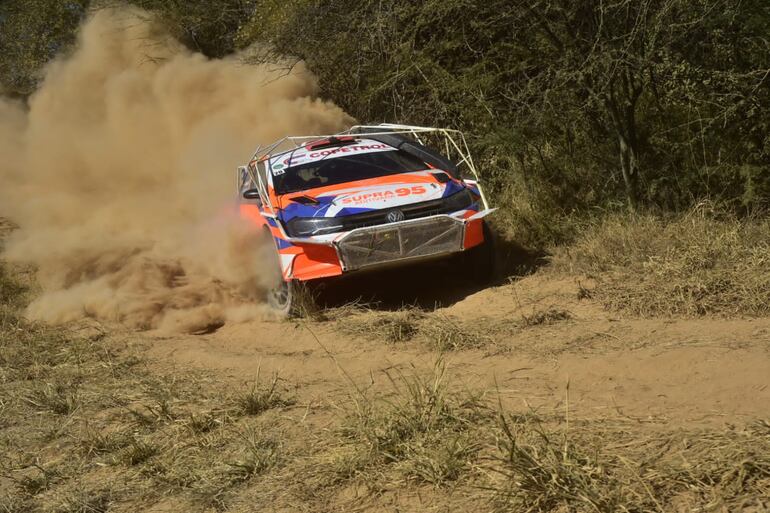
281, 296
280, 293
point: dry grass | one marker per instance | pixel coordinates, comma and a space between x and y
259, 455
446, 333
83, 501
702, 263
608, 468
544, 317
11, 291
433, 331
262, 397
394, 327
428, 432
73, 408
420, 431
58, 398
305, 304
440, 332
86, 426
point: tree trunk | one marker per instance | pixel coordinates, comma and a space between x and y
628, 168
621, 107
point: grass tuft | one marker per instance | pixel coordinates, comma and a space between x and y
260, 455
136, 452
263, 397
702, 263
57, 398
394, 327
446, 333
306, 305
545, 472
202, 423
419, 430
93, 442
545, 317
441, 460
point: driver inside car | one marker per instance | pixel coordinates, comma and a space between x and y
311, 177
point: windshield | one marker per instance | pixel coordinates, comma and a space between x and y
342, 169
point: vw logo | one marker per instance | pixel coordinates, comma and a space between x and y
395, 216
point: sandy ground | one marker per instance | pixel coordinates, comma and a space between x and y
596, 364
643, 376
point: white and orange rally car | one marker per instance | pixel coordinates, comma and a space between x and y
369, 197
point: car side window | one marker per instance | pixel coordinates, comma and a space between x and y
244, 179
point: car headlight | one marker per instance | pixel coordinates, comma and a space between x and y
309, 226
458, 201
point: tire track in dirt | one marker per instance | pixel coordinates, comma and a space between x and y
672, 371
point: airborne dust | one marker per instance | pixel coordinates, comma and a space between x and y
120, 174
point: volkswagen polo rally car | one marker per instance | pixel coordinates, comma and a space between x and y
369, 197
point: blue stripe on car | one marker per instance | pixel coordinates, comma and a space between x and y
451, 188
282, 244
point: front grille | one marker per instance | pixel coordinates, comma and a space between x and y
413, 211
401, 241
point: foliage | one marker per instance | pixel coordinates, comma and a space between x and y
31, 33
34, 31
204, 26
571, 106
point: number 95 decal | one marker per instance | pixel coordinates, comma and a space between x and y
375, 196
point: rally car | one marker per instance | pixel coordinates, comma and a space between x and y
369, 197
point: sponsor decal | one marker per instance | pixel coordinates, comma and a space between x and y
360, 199
356, 148
282, 163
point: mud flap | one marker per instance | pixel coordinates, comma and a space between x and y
481, 260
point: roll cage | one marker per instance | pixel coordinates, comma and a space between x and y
450, 142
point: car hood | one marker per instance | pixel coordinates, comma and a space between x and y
381, 193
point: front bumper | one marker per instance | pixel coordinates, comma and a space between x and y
406, 240
381, 245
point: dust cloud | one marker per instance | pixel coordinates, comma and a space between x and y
120, 174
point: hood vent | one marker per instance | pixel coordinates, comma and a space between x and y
305, 200
441, 177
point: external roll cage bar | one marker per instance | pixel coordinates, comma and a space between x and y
451, 141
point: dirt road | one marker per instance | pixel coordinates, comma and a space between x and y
667, 371
541, 397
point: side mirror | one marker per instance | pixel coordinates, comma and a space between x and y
252, 194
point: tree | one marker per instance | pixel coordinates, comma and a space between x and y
582, 101
32, 32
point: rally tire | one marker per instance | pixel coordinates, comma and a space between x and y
281, 298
